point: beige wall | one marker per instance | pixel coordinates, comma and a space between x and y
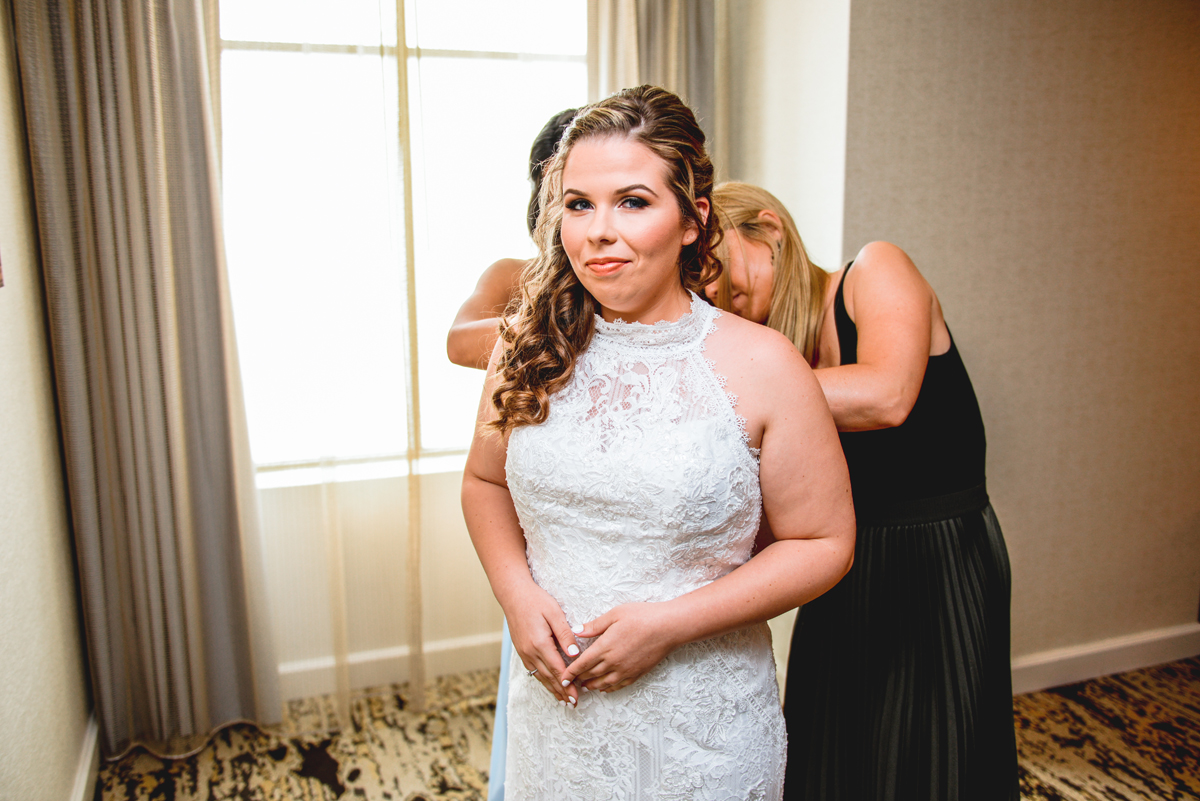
1041, 163
43, 696
788, 69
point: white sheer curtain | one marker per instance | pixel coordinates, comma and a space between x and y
679, 45
366, 185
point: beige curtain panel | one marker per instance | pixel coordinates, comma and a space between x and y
119, 113
679, 45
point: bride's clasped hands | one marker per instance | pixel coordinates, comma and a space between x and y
629, 640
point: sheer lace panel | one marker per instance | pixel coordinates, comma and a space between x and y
641, 486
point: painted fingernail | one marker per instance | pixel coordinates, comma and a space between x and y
585, 689
566, 683
577, 629
573, 700
572, 650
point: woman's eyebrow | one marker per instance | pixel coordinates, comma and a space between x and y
620, 191
632, 187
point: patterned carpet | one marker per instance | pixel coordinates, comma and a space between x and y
1127, 737
392, 753
1130, 736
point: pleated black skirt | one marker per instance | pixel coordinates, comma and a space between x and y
899, 683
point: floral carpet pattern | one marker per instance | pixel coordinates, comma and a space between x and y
1127, 737
1130, 736
391, 752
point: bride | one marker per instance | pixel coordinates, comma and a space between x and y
629, 440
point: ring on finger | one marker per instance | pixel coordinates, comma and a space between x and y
531, 672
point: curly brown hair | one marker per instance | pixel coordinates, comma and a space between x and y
555, 319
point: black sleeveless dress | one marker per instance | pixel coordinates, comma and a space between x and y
899, 683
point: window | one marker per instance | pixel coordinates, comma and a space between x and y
314, 206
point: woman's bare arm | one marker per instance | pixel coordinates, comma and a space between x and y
477, 324
899, 321
806, 498
538, 626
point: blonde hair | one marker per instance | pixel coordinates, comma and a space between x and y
798, 290
555, 319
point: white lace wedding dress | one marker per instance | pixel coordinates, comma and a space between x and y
641, 487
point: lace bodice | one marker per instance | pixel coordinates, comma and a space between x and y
641, 486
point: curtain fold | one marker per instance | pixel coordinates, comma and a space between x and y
120, 117
415, 601
680, 45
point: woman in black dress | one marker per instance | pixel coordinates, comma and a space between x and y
898, 682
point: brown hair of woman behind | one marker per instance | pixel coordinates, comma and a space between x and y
798, 289
555, 319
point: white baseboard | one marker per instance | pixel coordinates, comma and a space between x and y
1082, 662
308, 677
89, 763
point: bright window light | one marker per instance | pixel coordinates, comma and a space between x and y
313, 203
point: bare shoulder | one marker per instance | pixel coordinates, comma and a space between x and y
877, 259
506, 266
750, 344
762, 369
883, 270
502, 274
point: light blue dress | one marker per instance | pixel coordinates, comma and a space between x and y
500, 729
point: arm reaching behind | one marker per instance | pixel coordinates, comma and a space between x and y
806, 501
476, 327
900, 325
